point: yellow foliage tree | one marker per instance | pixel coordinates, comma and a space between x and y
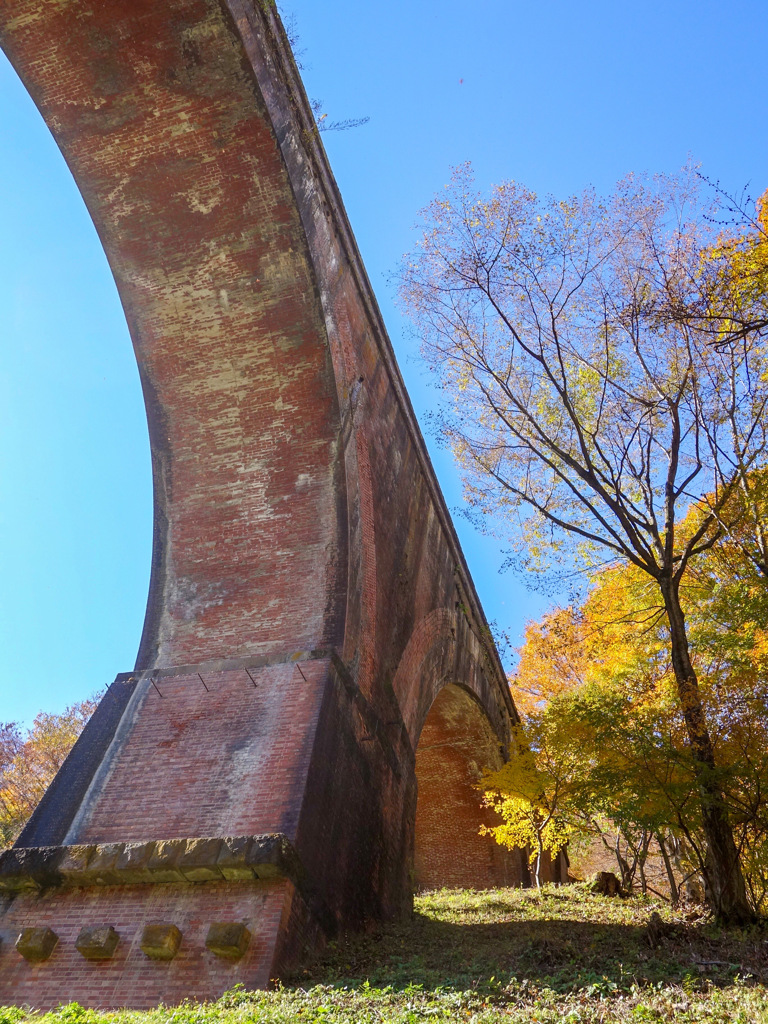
534, 792
608, 742
552, 660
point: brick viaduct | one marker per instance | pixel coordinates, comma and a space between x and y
315, 686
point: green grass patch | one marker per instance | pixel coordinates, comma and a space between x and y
559, 955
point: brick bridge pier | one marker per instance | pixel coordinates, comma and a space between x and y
315, 688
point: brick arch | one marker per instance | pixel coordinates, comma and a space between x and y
442, 649
456, 743
433, 629
165, 130
300, 533
457, 728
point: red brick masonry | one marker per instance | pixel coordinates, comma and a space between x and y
130, 977
309, 601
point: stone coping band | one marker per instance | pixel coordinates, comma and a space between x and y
217, 665
240, 858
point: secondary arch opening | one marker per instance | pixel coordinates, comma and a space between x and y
456, 743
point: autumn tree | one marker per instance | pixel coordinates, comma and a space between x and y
603, 734
739, 260
593, 753
586, 402
537, 793
30, 759
553, 659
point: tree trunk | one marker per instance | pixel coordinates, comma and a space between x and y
539, 859
627, 875
642, 857
726, 892
674, 896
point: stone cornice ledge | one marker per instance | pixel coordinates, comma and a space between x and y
234, 859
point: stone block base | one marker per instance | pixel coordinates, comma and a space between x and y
263, 912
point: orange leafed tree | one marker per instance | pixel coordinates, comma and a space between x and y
553, 660
596, 689
29, 761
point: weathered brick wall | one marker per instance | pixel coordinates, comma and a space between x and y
355, 833
130, 977
166, 134
220, 754
404, 561
299, 530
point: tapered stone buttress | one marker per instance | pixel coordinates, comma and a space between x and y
314, 655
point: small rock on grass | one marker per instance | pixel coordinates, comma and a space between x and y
605, 883
656, 930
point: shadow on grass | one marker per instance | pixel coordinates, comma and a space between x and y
559, 954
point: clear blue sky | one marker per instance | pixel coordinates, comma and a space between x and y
555, 94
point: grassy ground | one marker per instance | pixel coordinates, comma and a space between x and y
562, 955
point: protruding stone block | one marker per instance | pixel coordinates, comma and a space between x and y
228, 939
36, 944
101, 869
163, 862
132, 865
197, 861
14, 875
30, 868
44, 865
233, 859
98, 942
160, 941
74, 862
272, 856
